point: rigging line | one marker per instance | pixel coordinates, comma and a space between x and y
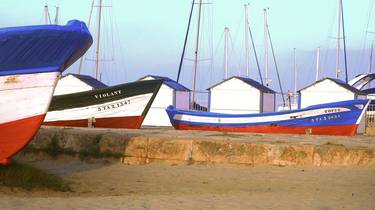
343, 34
211, 43
364, 36
255, 54
205, 43
112, 32
49, 17
185, 42
121, 61
277, 69
97, 73
328, 41
105, 45
196, 55
237, 33
206, 40
88, 26
216, 49
218, 44
233, 49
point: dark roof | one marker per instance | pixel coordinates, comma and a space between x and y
96, 84
369, 91
339, 82
169, 82
248, 81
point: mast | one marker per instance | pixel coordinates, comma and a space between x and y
226, 32
246, 34
97, 41
344, 39
185, 42
56, 21
196, 51
370, 66
370, 63
266, 47
338, 43
317, 63
295, 75
81, 60
46, 14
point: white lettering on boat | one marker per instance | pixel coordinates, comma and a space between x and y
114, 105
108, 94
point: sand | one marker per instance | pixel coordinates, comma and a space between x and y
101, 184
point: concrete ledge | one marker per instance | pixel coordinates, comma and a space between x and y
370, 131
148, 145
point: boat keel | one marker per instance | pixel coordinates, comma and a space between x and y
132, 122
338, 130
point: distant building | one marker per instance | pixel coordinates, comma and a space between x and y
72, 83
241, 95
170, 93
328, 90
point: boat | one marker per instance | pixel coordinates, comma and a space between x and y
32, 59
338, 118
120, 106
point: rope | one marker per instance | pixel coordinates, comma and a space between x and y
233, 49
185, 42
277, 69
364, 36
256, 56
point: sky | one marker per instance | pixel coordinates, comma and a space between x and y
146, 37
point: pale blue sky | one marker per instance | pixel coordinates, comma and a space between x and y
149, 35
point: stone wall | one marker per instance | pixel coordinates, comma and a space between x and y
145, 146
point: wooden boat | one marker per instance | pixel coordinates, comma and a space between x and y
339, 118
32, 58
121, 106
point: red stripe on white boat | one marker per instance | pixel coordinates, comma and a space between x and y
25, 99
133, 122
16, 135
340, 130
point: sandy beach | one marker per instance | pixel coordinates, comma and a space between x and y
101, 184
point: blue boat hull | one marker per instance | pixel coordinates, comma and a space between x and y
339, 118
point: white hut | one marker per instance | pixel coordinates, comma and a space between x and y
241, 95
170, 93
72, 83
328, 90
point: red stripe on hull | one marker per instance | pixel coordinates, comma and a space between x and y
132, 122
339, 130
16, 135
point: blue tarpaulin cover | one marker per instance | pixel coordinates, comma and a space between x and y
42, 48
